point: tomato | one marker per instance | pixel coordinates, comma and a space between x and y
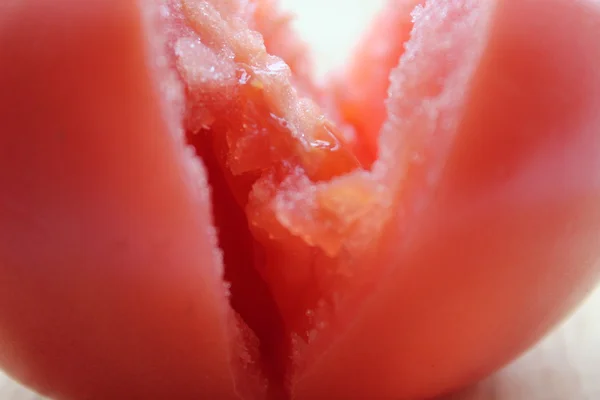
499, 240
98, 207
178, 221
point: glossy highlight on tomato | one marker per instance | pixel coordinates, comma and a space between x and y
185, 214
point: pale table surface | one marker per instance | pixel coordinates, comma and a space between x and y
564, 366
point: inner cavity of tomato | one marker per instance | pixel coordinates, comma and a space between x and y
294, 200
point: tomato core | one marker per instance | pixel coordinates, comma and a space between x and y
294, 200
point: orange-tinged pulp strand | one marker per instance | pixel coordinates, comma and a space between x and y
319, 150
281, 40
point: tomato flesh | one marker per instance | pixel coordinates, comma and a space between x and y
294, 173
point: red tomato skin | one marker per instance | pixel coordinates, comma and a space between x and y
506, 242
109, 282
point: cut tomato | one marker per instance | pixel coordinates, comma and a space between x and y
201, 220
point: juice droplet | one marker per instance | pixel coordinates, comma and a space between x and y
325, 155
